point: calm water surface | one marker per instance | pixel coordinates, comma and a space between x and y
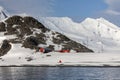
59, 73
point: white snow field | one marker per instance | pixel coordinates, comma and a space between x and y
19, 56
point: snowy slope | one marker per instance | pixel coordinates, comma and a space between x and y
97, 34
3, 13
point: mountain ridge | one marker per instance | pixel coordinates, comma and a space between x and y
89, 32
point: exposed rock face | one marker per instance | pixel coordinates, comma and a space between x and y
32, 34
22, 26
2, 27
6, 46
31, 42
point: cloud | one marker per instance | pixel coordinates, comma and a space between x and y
111, 13
31, 7
113, 7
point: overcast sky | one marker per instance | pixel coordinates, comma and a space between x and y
78, 10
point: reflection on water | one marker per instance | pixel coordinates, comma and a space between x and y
59, 73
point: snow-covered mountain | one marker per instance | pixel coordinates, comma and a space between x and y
97, 34
3, 13
31, 34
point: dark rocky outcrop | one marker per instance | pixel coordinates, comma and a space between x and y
2, 27
6, 46
23, 26
31, 42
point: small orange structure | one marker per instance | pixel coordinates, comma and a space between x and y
64, 51
42, 50
60, 61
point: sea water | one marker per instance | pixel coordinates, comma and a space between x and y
59, 73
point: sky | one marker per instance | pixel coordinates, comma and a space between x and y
78, 10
